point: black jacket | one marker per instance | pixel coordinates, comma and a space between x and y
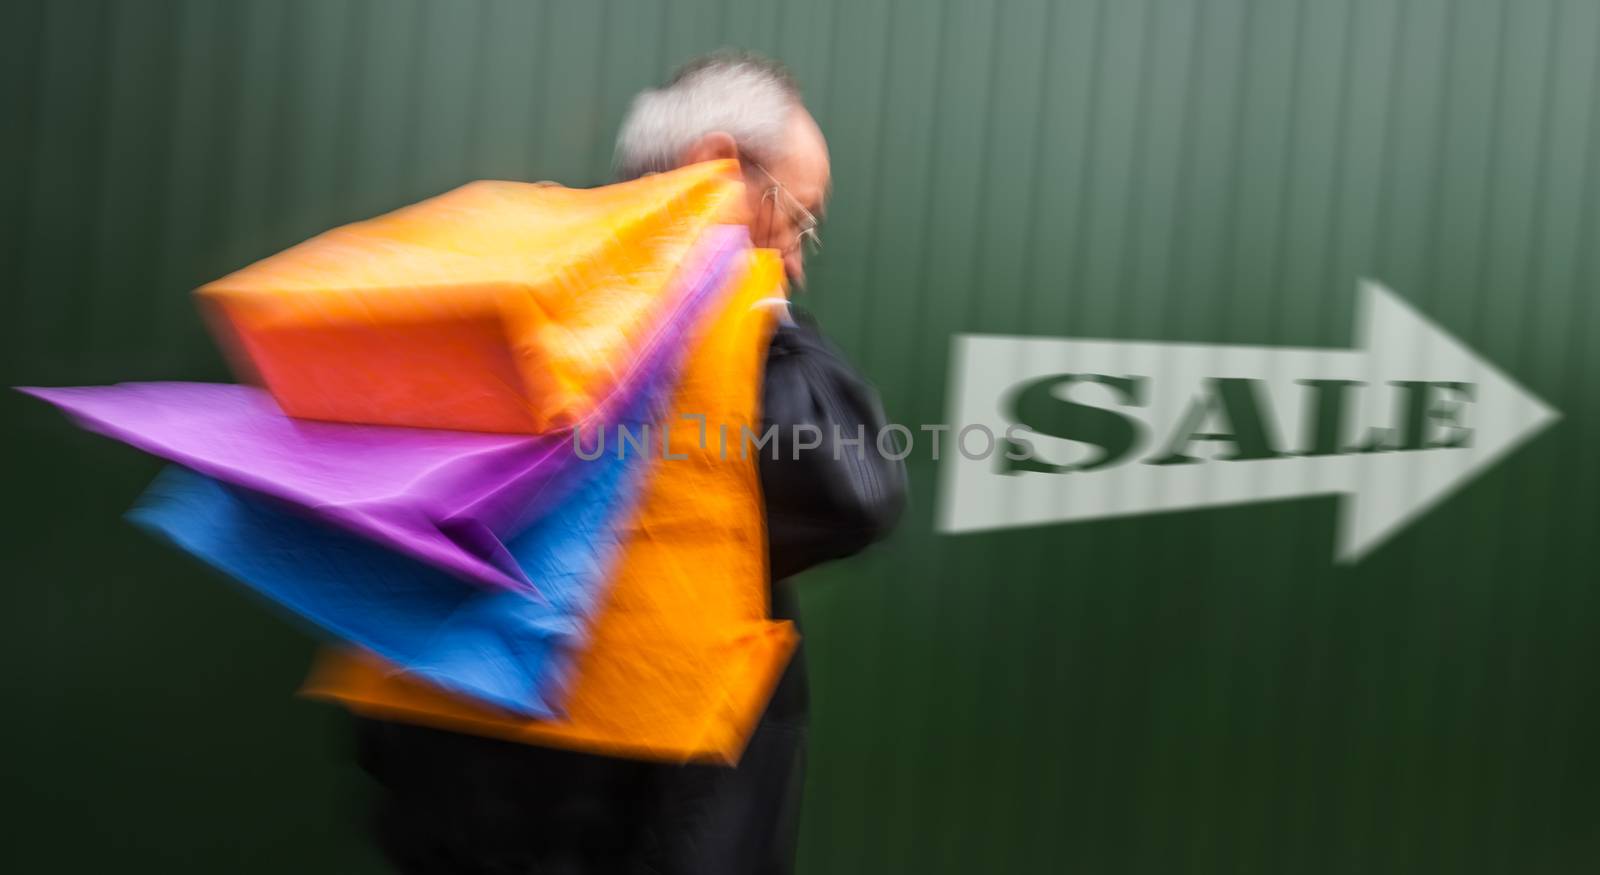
826, 502
830, 501
457, 803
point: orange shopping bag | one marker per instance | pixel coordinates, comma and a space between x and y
498, 306
682, 656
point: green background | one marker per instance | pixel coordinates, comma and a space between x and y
1189, 692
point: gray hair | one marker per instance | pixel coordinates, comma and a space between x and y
745, 95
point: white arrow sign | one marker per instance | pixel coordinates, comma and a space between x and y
1395, 425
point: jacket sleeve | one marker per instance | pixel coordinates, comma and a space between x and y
830, 500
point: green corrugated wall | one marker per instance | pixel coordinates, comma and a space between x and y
1189, 692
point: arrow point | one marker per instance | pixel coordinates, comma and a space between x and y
1404, 344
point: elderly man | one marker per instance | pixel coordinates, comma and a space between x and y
454, 803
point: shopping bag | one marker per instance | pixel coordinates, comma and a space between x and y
446, 498
681, 656
498, 306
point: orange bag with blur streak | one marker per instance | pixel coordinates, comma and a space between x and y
682, 657
498, 306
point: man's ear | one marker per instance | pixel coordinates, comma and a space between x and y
717, 144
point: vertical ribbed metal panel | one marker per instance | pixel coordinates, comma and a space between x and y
1188, 692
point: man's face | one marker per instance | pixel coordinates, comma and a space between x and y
789, 194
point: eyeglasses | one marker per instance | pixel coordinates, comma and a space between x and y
805, 221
